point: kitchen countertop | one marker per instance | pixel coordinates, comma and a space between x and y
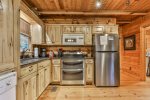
28, 61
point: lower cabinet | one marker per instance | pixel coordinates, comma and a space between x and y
41, 81
32, 83
89, 70
56, 65
27, 87
47, 76
33, 86
56, 74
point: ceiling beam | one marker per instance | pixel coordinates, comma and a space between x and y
57, 4
102, 12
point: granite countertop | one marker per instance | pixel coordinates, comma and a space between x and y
28, 61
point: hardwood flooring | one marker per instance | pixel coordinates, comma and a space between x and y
127, 91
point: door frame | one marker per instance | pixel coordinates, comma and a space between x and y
143, 30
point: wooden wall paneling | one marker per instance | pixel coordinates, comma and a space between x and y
133, 62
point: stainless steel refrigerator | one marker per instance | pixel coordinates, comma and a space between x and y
107, 65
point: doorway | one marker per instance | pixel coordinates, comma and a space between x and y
145, 38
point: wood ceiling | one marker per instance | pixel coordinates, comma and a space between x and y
123, 10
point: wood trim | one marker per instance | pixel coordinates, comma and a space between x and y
143, 49
102, 12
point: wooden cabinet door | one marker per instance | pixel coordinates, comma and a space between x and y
26, 90
88, 35
112, 29
56, 74
68, 29
98, 29
53, 34
7, 36
41, 83
89, 70
36, 34
47, 76
78, 29
33, 88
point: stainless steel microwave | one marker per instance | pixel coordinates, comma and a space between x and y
73, 39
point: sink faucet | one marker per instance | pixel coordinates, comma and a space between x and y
23, 53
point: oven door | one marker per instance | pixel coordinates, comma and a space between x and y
72, 77
72, 72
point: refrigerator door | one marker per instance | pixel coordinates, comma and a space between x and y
107, 71
106, 42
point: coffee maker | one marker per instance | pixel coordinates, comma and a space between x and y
43, 52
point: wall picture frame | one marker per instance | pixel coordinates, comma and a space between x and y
130, 42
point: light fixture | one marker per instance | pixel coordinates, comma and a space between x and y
98, 3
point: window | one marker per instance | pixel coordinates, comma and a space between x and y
24, 42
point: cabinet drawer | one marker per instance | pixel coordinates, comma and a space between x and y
89, 61
28, 70
56, 61
43, 64
46, 63
33, 68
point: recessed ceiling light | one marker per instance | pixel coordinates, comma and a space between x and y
98, 3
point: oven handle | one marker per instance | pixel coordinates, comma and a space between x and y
72, 63
72, 70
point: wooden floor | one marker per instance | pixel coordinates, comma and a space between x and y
127, 91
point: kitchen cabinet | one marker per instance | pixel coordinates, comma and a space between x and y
27, 87
26, 90
88, 35
73, 29
41, 81
53, 34
111, 29
43, 75
33, 86
56, 70
47, 76
36, 34
24, 27
89, 70
33, 80
98, 29
7, 41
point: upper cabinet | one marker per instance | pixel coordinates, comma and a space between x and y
88, 35
73, 29
98, 29
24, 27
7, 41
36, 34
53, 34
113, 29
109, 29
